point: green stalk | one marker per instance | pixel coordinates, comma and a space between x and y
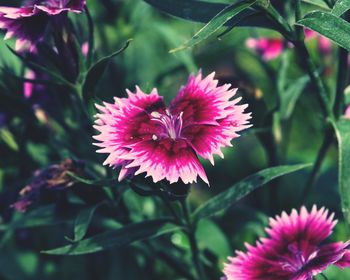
328, 139
342, 81
306, 62
190, 231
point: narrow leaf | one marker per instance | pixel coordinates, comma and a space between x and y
54, 75
330, 26
201, 11
95, 182
291, 95
118, 237
218, 21
95, 73
340, 7
342, 128
229, 197
83, 221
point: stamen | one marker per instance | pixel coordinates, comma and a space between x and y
172, 125
154, 137
156, 114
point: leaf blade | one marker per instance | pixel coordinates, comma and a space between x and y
342, 129
239, 190
95, 73
328, 25
118, 237
340, 7
225, 15
200, 11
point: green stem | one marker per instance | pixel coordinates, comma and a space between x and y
317, 165
283, 26
91, 36
324, 276
342, 80
193, 242
170, 208
306, 62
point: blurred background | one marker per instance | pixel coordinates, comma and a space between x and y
48, 128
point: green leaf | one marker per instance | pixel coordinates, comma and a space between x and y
342, 128
113, 182
119, 237
95, 73
229, 197
330, 26
291, 95
210, 236
54, 75
83, 221
228, 13
340, 7
204, 11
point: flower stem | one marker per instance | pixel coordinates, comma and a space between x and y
328, 139
306, 62
342, 80
91, 36
193, 242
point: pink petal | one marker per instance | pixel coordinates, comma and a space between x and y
124, 123
268, 48
347, 112
316, 226
166, 159
210, 119
344, 261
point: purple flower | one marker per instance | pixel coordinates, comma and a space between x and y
293, 250
142, 135
29, 23
54, 177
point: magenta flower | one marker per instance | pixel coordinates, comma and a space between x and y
29, 23
142, 135
268, 48
293, 250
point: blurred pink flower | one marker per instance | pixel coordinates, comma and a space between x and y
85, 48
268, 48
293, 250
271, 48
142, 135
29, 23
324, 44
28, 86
347, 112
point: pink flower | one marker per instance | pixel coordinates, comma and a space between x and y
347, 112
28, 87
293, 250
324, 44
268, 48
85, 49
142, 135
29, 23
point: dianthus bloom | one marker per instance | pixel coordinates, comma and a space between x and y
293, 250
29, 23
347, 112
142, 135
268, 48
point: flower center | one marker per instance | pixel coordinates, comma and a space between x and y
295, 260
171, 125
